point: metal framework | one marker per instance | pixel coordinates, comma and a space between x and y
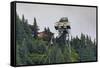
63, 27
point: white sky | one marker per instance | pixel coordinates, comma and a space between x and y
83, 19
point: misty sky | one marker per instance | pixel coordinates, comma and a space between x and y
82, 19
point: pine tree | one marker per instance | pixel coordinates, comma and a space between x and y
23, 19
35, 28
45, 30
48, 30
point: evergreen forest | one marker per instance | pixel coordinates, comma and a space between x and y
32, 50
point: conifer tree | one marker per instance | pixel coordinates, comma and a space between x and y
35, 28
48, 30
45, 30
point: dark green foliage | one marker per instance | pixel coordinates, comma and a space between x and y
35, 28
23, 41
85, 48
45, 29
48, 33
31, 50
